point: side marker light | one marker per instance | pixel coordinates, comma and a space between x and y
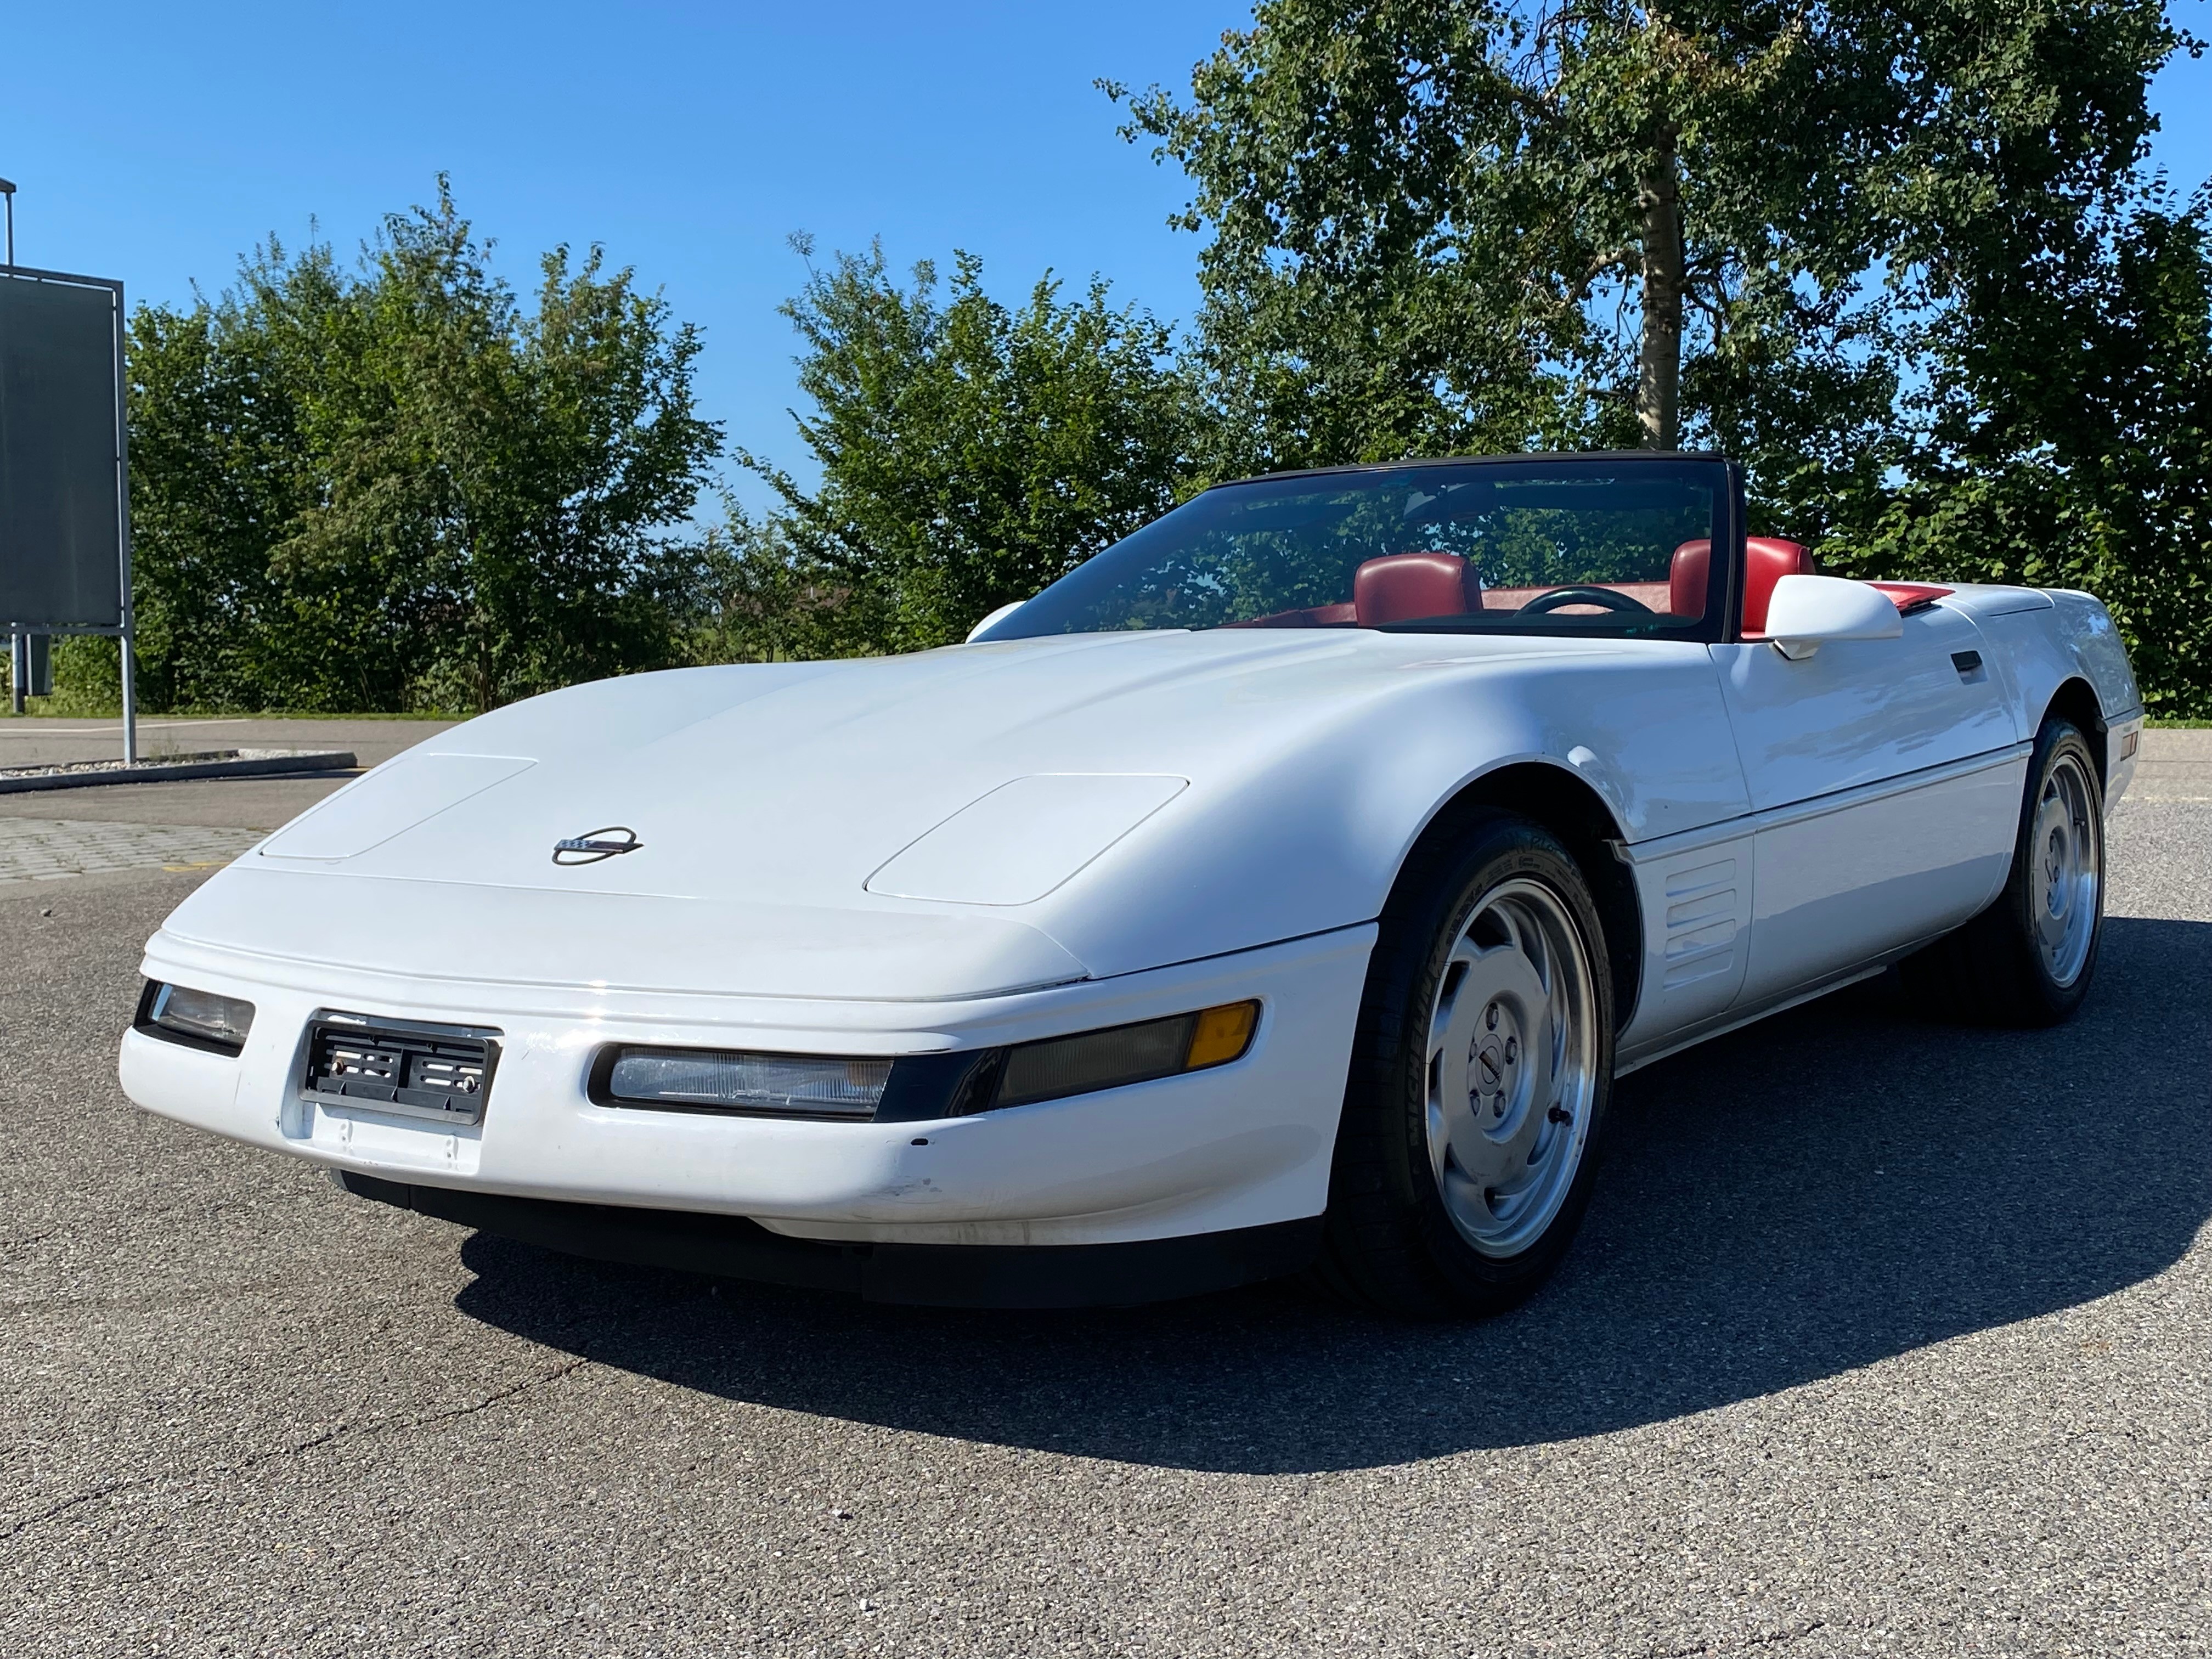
1122, 1054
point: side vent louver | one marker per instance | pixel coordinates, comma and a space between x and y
1701, 929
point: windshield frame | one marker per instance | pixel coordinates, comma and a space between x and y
1725, 571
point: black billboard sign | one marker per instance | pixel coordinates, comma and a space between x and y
61, 449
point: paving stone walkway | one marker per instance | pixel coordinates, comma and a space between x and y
46, 849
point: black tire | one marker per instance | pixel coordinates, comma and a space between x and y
1391, 1241
1995, 970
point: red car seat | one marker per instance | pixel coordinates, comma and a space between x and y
1766, 561
1686, 575
1405, 587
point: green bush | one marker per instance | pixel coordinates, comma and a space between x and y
393, 488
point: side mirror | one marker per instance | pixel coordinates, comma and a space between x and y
993, 620
1807, 610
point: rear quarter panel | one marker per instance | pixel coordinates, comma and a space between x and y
2041, 638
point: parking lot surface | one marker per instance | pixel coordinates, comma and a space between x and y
52, 849
42, 740
1885, 1336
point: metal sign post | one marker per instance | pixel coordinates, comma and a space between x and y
126, 635
65, 467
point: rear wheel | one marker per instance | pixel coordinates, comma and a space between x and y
2027, 959
1480, 1077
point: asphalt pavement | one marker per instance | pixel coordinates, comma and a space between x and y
1884, 1337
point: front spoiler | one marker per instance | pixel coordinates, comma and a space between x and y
931, 1275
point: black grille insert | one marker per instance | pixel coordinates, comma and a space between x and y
441, 1073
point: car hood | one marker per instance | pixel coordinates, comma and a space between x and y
950, 824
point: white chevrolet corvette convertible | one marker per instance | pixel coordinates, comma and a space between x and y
1283, 888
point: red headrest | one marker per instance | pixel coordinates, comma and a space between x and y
1405, 587
1686, 579
1766, 561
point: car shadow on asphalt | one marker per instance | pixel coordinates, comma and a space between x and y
1834, 1187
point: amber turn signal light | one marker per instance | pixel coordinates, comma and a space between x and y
1221, 1035
1122, 1054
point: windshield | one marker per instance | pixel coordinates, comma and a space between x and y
1601, 545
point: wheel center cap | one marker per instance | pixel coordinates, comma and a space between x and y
1493, 1060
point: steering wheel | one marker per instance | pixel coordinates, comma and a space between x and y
1606, 598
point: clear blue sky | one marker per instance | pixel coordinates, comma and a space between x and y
157, 142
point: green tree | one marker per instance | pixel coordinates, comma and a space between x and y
1461, 223
969, 454
397, 489
1900, 255
2065, 440
219, 476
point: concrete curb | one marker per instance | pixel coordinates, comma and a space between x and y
335, 760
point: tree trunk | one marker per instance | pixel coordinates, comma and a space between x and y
1658, 388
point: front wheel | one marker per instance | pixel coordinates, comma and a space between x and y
2027, 959
1479, 1078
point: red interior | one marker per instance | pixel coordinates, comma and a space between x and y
1653, 596
1911, 596
1687, 574
1408, 586
1766, 561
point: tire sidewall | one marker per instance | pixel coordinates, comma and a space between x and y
1410, 959
2056, 738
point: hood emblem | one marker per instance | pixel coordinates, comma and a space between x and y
597, 844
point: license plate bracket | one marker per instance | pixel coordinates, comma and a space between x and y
401, 1067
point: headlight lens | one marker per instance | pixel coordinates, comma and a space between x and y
201, 1019
918, 1088
716, 1080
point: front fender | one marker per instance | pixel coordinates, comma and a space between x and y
1308, 831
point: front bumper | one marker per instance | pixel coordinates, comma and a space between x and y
1245, 1146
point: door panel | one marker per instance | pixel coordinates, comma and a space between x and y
1858, 711
1840, 888
1875, 825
